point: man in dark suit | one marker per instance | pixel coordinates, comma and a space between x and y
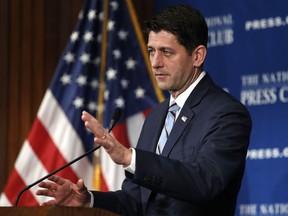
199, 169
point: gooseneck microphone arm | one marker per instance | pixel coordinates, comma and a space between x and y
115, 117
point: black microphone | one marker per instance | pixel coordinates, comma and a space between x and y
115, 117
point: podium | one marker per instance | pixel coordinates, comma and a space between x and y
54, 211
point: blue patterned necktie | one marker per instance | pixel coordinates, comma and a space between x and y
169, 122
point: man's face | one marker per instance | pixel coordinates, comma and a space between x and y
171, 64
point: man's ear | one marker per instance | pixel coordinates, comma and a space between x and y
199, 55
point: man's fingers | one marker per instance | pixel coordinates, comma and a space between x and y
42, 184
91, 123
81, 186
49, 203
48, 185
48, 193
56, 179
86, 116
53, 178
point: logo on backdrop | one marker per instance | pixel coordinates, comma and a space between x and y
264, 89
266, 23
268, 209
220, 28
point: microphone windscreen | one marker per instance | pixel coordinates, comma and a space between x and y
116, 114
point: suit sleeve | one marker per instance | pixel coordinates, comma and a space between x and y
123, 202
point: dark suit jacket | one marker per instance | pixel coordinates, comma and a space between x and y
202, 164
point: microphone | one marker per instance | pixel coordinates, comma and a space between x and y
115, 117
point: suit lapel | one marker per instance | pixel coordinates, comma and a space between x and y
186, 115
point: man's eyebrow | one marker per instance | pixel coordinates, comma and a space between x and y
160, 48
166, 48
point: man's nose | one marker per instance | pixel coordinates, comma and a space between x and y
156, 60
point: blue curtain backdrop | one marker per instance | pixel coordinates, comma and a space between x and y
248, 56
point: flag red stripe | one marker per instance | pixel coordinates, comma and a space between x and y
120, 133
103, 185
146, 112
13, 188
48, 152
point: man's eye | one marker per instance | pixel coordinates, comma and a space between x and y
167, 52
151, 52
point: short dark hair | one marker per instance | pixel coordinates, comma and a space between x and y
184, 21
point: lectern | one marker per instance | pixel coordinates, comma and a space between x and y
54, 211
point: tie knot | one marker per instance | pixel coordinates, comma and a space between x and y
174, 107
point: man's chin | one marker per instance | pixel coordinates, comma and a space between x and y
163, 88
162, 85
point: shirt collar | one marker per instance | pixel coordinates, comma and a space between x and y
181, 99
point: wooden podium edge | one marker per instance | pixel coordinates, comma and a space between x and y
54, 211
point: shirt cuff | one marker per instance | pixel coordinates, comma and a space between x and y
131, 168
92, 199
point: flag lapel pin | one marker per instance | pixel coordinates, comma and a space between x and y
184, 118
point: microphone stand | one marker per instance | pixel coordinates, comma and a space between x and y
53, 173
115, 118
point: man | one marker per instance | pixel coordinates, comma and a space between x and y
198, 171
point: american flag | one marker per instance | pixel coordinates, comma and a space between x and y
104, 66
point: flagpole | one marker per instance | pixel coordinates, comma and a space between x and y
103, 62
143, 48
100, 107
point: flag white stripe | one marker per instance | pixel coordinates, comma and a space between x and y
32, 171
113, 173
134, 126
64, 136
4, 201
